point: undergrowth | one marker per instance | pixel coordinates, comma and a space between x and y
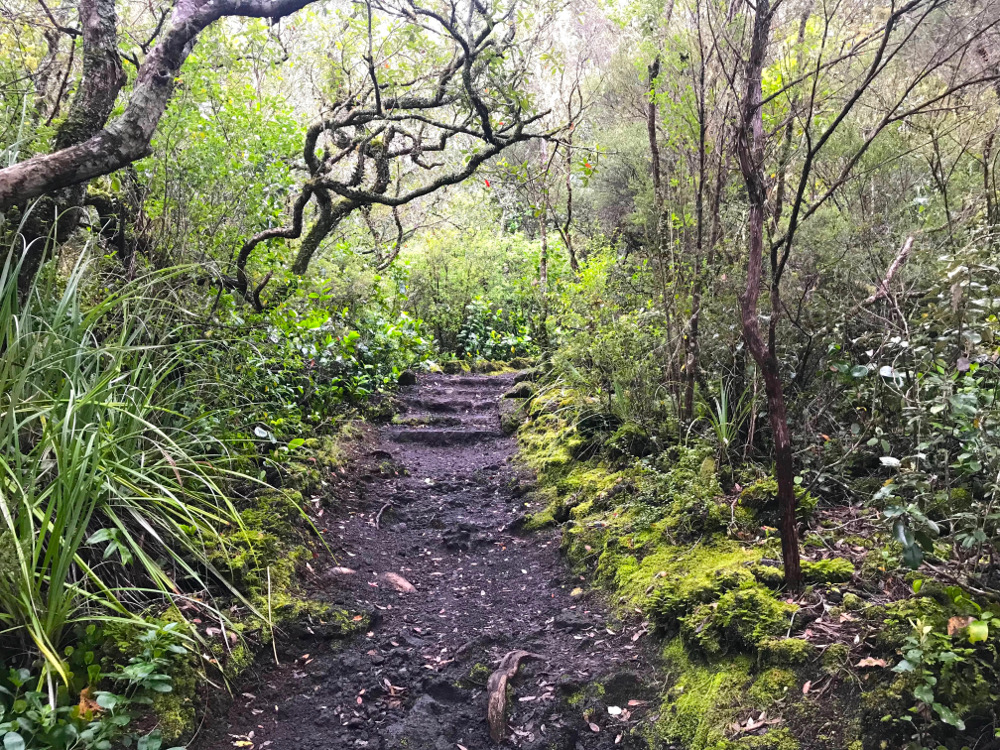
868, 657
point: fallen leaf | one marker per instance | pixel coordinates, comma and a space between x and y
871, 662
594, 727
806, 687
87, 703
956, 624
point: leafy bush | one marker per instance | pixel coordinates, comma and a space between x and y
107, 494
491, 333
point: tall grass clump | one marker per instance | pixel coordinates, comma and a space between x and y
108, 498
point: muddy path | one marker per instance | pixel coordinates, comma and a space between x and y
438, 506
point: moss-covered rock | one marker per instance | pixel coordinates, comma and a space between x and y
759, 502
739, 622
685, 580
787, 652
512, 414
832, 570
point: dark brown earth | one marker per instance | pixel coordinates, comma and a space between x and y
443, 516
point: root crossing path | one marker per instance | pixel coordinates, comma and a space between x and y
429, 548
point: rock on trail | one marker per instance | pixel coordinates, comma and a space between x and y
426, 550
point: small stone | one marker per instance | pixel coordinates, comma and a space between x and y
572, 621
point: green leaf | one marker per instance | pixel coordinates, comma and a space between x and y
924, 540
13, 741
107, 700
913, 556
924, 693
979, 631
102, 535
917, 585
949, 717
859, 371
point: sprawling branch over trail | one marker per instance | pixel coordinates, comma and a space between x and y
388, 143
126, 138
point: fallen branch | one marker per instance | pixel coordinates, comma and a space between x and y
496, 688
883, 288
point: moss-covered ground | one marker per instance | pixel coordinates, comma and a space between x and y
751, 665
262, 560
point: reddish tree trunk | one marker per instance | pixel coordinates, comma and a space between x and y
750, 149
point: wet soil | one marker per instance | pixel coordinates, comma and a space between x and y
437, 502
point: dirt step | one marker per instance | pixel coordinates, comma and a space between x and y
450, 405
442, 436
421, 419
454, 381
446, 392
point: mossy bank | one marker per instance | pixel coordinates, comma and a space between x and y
867, 657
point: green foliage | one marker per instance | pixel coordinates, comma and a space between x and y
476, 290
97, 466
489, 333
101, 718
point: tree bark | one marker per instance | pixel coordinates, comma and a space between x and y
750, 144
568, 224
127, 138
56, 219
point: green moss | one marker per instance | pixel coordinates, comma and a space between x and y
704, 700
540, 520
853, 602
836, 657
738, 622
477, 676
786, 651
769, 575
760, 500
176, 711
772, 685
833, 570
776, 739
582, 510
682, 578
547, 446
898, 618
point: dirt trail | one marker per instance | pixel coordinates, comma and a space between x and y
417, 679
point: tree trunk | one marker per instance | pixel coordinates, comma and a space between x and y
750, 149
55, 219
567, 226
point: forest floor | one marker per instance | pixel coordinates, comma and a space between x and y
436, 500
